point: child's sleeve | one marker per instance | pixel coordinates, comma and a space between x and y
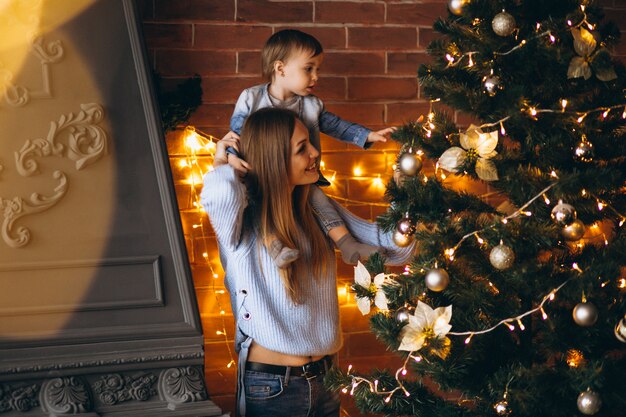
224, 199
334, 126
241, 112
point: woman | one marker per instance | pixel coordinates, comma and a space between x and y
287, 319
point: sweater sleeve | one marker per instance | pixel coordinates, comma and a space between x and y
368, 232
224, 199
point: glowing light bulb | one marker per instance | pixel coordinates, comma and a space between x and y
563, 104
357, 171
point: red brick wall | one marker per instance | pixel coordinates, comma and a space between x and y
373, 49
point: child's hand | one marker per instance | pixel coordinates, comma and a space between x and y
381, 135
223, 156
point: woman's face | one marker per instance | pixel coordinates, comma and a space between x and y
303, 161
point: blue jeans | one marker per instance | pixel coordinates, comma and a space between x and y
270, 395
325, 212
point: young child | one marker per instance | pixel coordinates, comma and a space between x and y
290, 62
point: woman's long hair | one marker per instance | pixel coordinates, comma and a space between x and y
273, 209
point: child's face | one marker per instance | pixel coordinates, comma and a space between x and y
303, 160
300, 72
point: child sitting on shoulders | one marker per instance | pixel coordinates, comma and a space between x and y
290, 62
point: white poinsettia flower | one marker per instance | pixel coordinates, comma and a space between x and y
478, 145
425, 323
363, 278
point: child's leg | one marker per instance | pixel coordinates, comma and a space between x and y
332, 224
282, 255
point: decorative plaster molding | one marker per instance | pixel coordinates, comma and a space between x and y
17, 207
18, 397
86, 143
66, 395
117, 388
181, 385
101, 362
18, 95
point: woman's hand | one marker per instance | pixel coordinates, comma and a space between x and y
222, 157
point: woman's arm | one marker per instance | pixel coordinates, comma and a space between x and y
224, 196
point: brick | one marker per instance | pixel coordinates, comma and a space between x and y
340, 63
365, 344
331, 88
330, 144
227, 403
216, 10
382, 88
161, 35
401, 113
217, 356
330, 37
249, 62
352, 320
366, 189
363, 113
203, 275
226, 89
189, 63
348, 12
230, 36
384, 38
212, 115
274, 11
426, 36
406, 63
221, 380
416, 14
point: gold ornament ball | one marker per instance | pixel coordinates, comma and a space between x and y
402, 240
410, 164
563, 214
620, 330
456, 6
585, 314
502, 408
503, 24
589, 402
437, 279
502, 257
574, 231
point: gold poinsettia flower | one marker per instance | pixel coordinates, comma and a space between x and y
477, 146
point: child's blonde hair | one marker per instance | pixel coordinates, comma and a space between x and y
282, 44
273, 209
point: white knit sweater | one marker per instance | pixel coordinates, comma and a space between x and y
262, 308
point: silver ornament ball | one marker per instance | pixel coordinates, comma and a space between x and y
589, 402
584, 152
456, 6
502, 408
409, 163
503, 24
502, 257
491, 84
405, 226
402, 314
437, 279
585, 314
573, 231
563, 214
401, 240
620, 330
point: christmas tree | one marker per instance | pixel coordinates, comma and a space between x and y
513, 304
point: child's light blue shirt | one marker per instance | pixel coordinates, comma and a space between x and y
309, 108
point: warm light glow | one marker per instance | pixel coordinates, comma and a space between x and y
563, 104
574, 358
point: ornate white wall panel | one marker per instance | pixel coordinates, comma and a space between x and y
98, 315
